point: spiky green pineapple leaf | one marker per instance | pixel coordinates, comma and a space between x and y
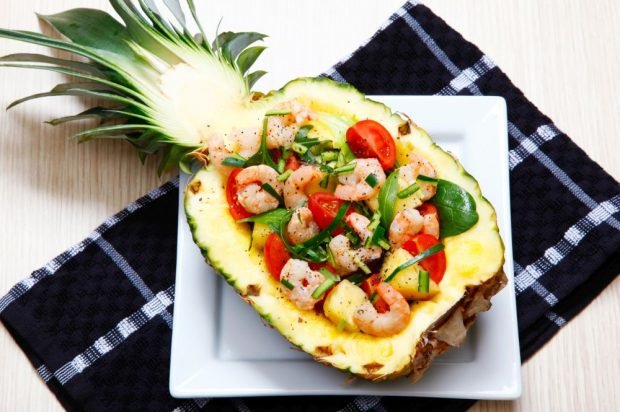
247, 57
237, 42
93, 113
253, 77
41, 58
95, 29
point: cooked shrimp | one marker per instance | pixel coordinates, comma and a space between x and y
304, 281
406, 223
431, 225
353, 186
281, 130
345, 256
302, 226
297, 184
409, 173
251, 195
245, 142
389, 323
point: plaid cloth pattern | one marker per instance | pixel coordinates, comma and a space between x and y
96, 321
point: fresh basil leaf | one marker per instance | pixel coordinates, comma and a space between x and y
456, 209
273, 218
262, 156
387, 198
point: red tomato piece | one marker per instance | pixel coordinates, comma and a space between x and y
368, 138
324, 208
435, 264
368, 285
428, 209
236, 210
276, 255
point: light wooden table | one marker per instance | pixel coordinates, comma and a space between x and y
564, 54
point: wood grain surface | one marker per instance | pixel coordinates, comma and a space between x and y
564, 54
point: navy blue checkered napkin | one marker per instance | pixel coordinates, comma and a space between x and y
96, 321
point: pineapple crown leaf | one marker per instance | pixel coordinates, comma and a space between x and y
124, 61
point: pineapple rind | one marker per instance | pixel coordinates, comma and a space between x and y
473, 257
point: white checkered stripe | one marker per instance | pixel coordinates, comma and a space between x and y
114, 337
51, 267
531, 144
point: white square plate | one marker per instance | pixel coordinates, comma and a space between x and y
220, 347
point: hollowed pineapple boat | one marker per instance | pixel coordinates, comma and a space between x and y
342, 223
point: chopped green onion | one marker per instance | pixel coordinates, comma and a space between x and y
372, 180
286, 153
330, 257
302, 133
233, 162
281, 165
284, 175
323, 287
423, 281
299, 148
378, 234
374, 222
383, 244
359, 263
408, 191
423, 178
269, 189
324, 181
314, 256
353, 238
326, 169
347, 153
346, 169
278, 113
329, 156
288, 284
428, 252
328, 274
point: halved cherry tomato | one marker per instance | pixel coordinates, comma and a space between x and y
368, 285
368, 138
434, 264
324, 208
276, 255
236, 210
428, 209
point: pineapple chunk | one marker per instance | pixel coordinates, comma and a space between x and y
406, 281
260, 233
341, 303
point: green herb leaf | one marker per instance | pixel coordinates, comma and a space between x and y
233, 161
428, 179
284, 175
428, 252
302, 133
273, 192
273, 218
456, 209
387, 198
262, 156
346, 169
323, 287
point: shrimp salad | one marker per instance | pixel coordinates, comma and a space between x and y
337, 215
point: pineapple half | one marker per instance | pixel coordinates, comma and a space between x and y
168, 91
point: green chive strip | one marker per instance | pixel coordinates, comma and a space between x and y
428, 252
329, 156
299, 148
330, 257
359, 263
372, 180
278, 113
384, 244
428, 179
269, 189
288, 284
408, 191
328, 274
323, 287
281, 165
357, 278
312, 242
345, 170
233, 162
374, 221
284, 175
324, 181
423, 281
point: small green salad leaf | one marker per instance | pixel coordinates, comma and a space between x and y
387, 198
456, 209
273, 218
